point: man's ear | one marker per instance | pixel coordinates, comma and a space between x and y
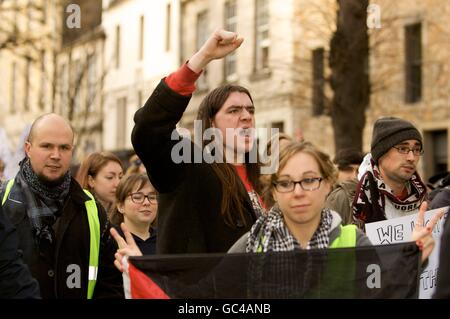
27, 147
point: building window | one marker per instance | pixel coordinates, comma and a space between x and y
26, 100
439, 147
13, 102
230, 25
318, 97
279, 126
262, 41
89, 147
91, 82
168, 24
121, 132
77, 77
413, 63
117, 48
43, 84
141, 38
64, 89
202, 35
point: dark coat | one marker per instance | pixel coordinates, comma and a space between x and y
441, 198
341, 200
15, 277
189, 217
62, 268
443, 277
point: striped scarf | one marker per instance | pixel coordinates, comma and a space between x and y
42, 202
372, 193
270, 233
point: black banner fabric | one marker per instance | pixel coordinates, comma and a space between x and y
387, 271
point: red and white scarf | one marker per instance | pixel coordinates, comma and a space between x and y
372, 193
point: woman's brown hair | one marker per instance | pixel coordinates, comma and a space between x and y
265, 179
92, 165
231, 205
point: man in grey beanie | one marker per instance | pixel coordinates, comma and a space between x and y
391, 187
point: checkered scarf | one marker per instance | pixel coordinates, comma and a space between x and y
42, 202
271, 233
372, 193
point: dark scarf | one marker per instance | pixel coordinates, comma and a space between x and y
372, 193
43, 203
271, 233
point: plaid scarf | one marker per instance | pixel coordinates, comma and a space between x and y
42, 202
372, 192
271, 233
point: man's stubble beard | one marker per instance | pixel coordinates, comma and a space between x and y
51, 183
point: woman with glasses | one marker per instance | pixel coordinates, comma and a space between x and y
299, 219
136, 207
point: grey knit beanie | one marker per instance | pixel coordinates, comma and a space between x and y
389, 131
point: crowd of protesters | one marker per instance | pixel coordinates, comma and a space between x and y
64, 237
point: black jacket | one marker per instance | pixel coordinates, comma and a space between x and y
62, 269
15, 277
443, 277
189, 218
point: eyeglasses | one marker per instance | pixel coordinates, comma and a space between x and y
138, 198
307, 184
417, 151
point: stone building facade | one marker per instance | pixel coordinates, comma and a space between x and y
285, 56
410, 74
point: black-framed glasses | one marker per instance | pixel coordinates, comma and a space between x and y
417, 151
307, 184
138, 198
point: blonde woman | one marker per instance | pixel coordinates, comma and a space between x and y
299, 219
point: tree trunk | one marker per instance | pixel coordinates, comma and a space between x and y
349, 56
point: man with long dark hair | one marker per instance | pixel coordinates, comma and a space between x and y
209, 198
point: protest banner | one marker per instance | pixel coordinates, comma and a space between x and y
399, 230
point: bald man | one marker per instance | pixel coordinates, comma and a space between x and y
50, 148
62, 229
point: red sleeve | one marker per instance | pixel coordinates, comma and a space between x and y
183, 80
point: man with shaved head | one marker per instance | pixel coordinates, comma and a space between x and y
63, 232
50, 148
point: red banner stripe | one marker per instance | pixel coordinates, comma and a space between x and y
142, 287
